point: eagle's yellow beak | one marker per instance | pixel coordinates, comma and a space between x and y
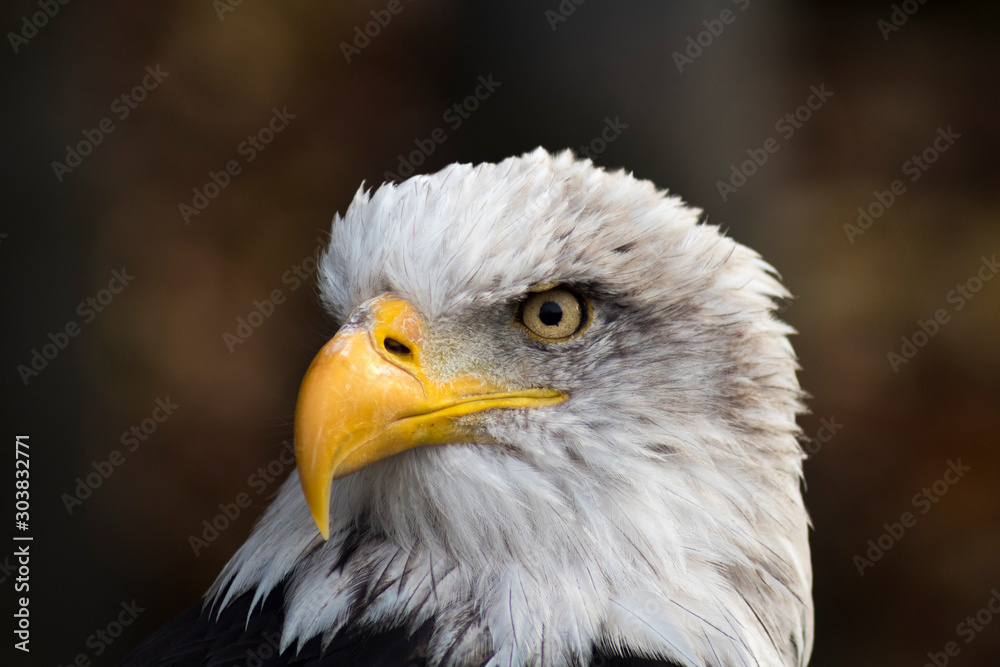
366, 396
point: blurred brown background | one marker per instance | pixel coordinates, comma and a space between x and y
560, 81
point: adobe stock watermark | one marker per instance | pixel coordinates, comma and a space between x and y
786, 127
609, 134
828, 427
258, 481
88, 309
922, 500
381, 18
961, 294
121, 107
454, 116
562, 12
22, 617
37, 21
267, 649
914, 168
714, 28
103, 637
131, 440
967, 629
223, 7
249, 148
294, 277
900, 14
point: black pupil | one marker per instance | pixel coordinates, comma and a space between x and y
550, 314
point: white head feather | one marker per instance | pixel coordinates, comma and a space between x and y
658, 508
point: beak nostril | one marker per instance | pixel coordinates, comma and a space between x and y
393, 346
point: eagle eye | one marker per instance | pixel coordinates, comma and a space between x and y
555, 314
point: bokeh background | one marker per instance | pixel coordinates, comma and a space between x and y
564, 70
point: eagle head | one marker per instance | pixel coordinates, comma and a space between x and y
558, 417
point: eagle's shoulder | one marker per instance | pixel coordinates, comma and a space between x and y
238, 637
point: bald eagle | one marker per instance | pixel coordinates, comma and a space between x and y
556, 427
